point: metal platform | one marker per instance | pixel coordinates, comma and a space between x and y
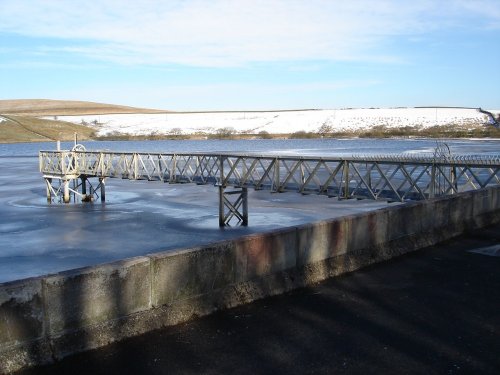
69, 174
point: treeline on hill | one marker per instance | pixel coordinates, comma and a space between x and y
442, 131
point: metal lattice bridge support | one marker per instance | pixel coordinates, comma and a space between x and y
80, 173
68, 188
233, 206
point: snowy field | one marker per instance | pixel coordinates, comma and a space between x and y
279, 122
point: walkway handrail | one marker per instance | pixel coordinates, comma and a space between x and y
404, 176
394, 177
425, 158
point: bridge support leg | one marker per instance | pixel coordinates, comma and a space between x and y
85, 197
66, 196
103, 189
233, 206
48, 185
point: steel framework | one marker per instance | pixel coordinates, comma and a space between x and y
390, 177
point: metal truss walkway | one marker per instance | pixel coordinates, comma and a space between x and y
400, 178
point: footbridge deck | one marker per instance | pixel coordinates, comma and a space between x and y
400, 178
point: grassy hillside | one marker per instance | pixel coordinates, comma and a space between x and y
14, 129
45, 107
20, 122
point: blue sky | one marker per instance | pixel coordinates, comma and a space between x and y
255, 54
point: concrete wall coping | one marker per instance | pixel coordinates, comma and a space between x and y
49, 317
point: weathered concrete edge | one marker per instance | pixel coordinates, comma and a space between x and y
44, 319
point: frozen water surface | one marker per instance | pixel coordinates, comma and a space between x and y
141, 217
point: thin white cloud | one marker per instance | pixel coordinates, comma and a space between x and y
234, 33
46, 65
487, 10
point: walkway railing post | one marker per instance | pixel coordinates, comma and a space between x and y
453, 180
368, 177
136, 166
276, 181
173, 171
62, 156
244, 196
101, 163
221, 206
346, 179
432, 192
222, 221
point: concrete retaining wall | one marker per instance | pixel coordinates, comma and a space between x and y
44, 319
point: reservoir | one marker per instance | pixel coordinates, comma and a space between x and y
142, 217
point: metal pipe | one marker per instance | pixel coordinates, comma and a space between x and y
103, 189
48, 185
66, 195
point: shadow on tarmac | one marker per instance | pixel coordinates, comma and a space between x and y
434, 311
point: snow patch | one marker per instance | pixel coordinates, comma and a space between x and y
280, 122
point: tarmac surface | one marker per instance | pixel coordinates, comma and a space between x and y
435, 311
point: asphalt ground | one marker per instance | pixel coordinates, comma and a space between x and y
435, 311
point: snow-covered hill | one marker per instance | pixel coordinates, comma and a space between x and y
279, 122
